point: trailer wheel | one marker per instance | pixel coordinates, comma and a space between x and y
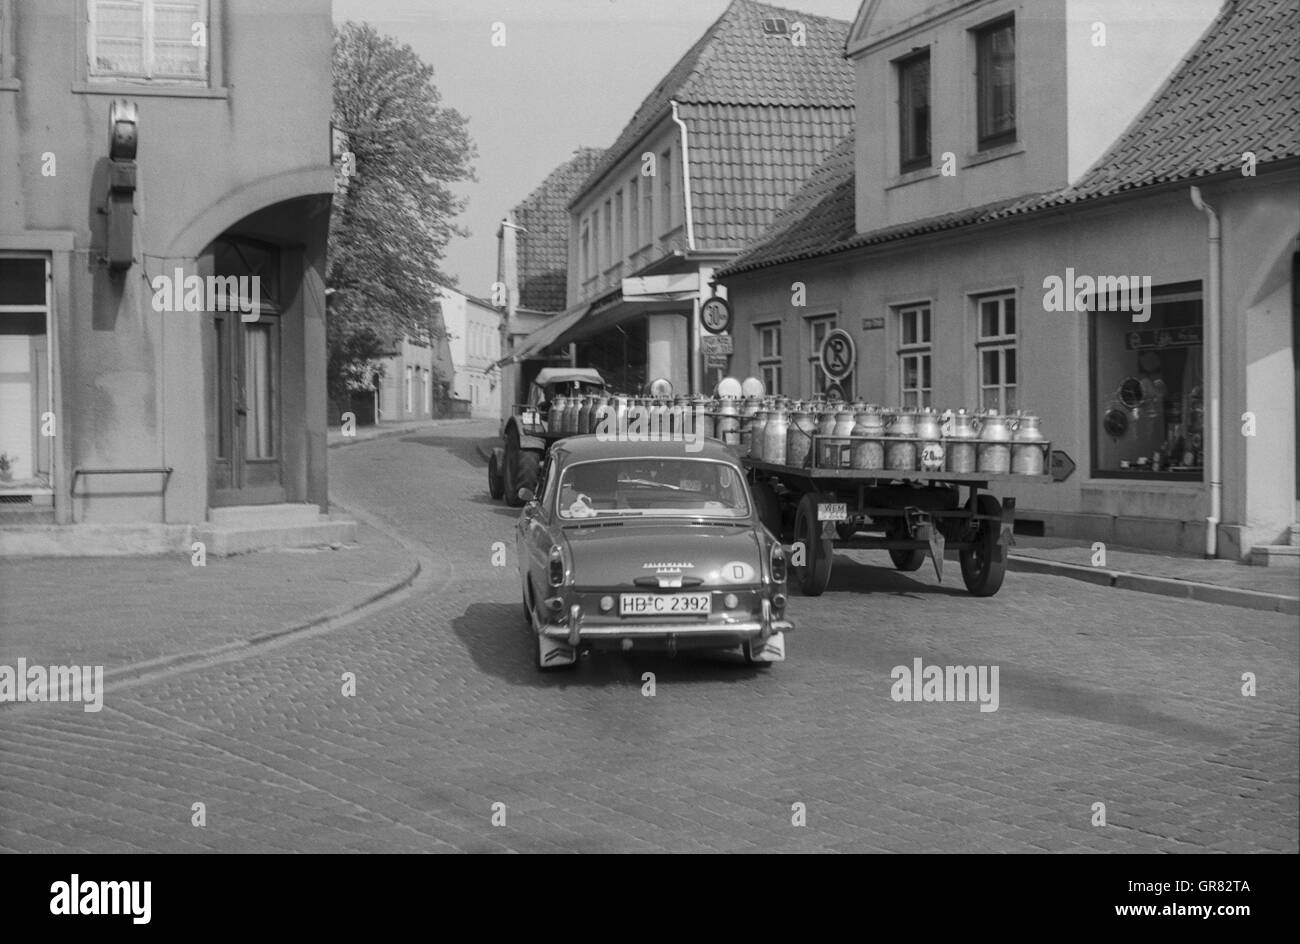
496, 474
906, 560
815, 572
984, 565
768, 507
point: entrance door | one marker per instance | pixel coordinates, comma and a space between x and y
246, 464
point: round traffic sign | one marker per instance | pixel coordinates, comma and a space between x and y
838, 354
715, 314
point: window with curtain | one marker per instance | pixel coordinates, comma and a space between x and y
914, 355
148, 40
995, 82
914, 112
996, 350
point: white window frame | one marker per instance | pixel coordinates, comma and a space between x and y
999, 344
920, 349
769, 362
149, 74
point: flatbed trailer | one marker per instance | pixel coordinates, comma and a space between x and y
908, 513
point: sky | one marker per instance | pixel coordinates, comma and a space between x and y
570, 75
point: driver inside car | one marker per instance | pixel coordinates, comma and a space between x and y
588, 488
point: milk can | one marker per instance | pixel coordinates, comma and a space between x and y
900, 448
728, 425
827, 449
995, 443
599, 414
775, 433
842, 437
929, 436
798, 443
555, 419
748, 409
868, 451
1027, 446
758, 431
584, 416
963, 433
619, 408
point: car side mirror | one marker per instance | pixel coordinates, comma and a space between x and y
526, 496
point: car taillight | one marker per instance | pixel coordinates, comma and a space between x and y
555, 567
778, 563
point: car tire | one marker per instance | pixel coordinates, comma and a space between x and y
984, 566
496, 474
813, 577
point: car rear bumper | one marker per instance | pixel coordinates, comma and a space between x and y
726, 632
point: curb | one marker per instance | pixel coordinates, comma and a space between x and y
1162, 586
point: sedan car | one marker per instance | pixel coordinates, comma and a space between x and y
648, 546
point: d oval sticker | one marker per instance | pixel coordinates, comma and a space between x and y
736, 572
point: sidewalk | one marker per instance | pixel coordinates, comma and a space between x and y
130, 614
1276, 589
383, 430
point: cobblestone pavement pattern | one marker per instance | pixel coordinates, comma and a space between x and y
1106, 696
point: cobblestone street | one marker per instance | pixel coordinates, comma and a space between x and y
1106, 696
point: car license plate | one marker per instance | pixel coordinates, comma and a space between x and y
832, 511
665, 604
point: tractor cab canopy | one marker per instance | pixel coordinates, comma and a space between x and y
551, 381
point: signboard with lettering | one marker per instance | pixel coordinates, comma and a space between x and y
873, 324
1157, 339
714, 345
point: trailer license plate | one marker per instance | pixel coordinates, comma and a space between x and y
832, 511
665, 604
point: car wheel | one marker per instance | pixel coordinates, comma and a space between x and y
496, 475
985, 565
815, 572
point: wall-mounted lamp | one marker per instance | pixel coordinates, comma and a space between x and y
123, 136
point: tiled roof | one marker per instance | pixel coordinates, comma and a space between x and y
736, 63
820, 214
543, 250
1238, 90
748, 161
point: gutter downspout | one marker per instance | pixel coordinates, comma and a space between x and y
1213, 372
695, 373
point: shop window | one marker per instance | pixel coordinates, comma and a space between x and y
995, 83
769, 357
996, 351
1148, 396
914, 355
24, 374
151, 40
914, 112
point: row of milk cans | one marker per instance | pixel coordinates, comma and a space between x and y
818, 434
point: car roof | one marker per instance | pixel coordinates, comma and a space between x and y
549, 375
591, 446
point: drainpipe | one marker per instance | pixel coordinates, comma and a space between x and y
695, 378
1213, 373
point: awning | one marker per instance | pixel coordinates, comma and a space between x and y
543, 337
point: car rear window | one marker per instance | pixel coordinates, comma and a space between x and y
653, 487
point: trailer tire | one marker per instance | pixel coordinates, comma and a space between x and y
984, 566
815, 573
908, 561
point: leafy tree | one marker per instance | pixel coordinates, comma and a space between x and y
393, 204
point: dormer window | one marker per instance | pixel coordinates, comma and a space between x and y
995, 53
776, 26
914, 112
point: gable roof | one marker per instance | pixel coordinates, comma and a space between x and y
542, 250
736, 63
1237, 91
